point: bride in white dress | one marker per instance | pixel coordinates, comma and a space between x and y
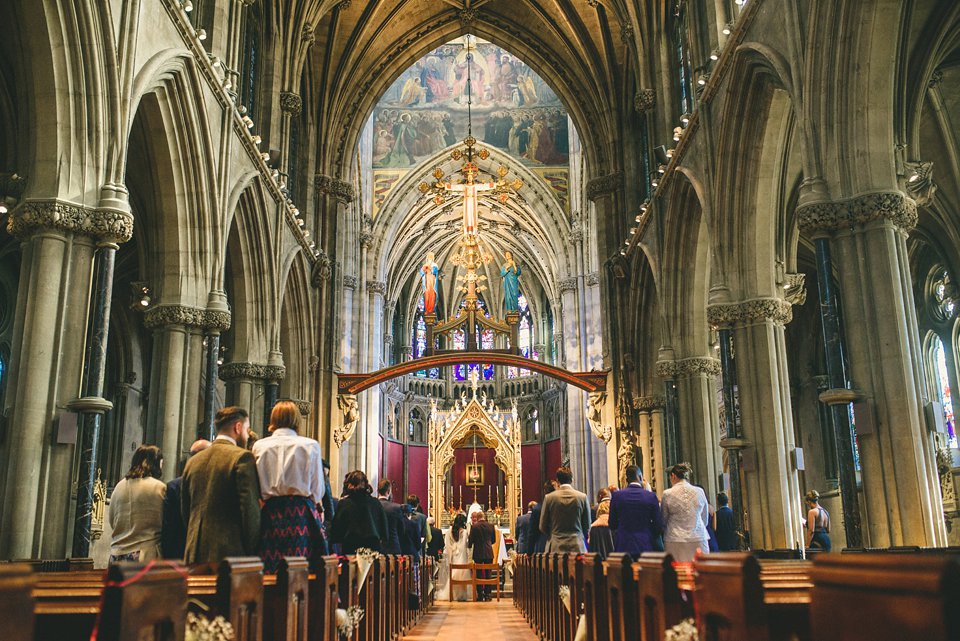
455, 551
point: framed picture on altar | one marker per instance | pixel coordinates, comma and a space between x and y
474, 474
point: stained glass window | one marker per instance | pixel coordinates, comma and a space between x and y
525, 338
682, 52
943, 388
944, 295
420, 341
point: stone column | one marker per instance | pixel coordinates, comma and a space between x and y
651, 438
578, 434
697, 420
371, 411
217, 320
58, 241
900, 485
772, 488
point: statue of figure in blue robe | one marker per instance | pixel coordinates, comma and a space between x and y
511, 283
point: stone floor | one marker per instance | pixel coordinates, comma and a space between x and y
490, 621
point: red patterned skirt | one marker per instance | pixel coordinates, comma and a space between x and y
290, 526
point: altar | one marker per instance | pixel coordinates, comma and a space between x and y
488, 442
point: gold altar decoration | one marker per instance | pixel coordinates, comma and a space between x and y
500, 431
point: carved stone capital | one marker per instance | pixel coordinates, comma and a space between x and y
568, 284
832, 216
468, 17
645, 100
750, 311
322, 269
291, 103
366, 239
252, 371
593, 278
35, 216
601, 186
626, 34
339, 189
688, 367
185, 316
376, 287
305, 407
649, 403
350, 282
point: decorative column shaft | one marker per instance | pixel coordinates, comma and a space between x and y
92, 406
728, 369
207, 428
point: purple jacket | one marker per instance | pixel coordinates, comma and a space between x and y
635, 520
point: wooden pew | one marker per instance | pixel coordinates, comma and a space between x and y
143, 606
885, 597
736, 599
286, 606
16, 602
323, 600
348, 588
621, 597
573, 578
595, 598
660, 603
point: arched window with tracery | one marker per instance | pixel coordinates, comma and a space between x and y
525, 338
681, 50
942, 309
943, 390
486, 336
415, 428
250, 60
420, 340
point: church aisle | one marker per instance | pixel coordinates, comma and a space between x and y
493, 621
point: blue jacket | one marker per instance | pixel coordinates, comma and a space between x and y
523, 533
635, 520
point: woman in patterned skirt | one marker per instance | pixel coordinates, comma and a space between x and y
290, 468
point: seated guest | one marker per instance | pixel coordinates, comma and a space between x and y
220, 495
136, 509
173, 537
726, 530
600, 539
635, 516
360, 521
292, 485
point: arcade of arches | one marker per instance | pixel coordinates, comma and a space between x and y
745, 214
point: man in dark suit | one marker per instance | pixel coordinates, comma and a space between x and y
173, 534
523, 529
435, 547
220, 495
421, 519
635, 516
394, 517
726, 530
482, 537
565, 517
537, 542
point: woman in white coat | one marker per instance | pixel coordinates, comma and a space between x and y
685, 516
455, 551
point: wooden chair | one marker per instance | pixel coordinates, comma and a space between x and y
460, 566
493, 580
143, 606
885, 597
16, 602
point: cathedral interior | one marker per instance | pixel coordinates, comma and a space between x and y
733, 226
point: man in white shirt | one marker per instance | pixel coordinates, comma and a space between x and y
290, 468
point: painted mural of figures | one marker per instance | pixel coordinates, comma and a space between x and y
404, 138
429, 273
511, 283
413, 92
528, 91
431, 78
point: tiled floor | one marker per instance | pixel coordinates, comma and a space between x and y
468, 621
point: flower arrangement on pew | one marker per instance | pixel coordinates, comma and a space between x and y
686, 630
348, 620
200, 628
365, 559
565, 596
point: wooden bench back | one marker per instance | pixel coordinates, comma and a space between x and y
595, 597
729, 598
240, 596
287, 603
621, 597
660, 604
323, 600
16, 602
143, 605
885, 597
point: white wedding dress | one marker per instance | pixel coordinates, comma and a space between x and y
455, 552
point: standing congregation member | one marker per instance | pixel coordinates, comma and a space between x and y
360, 521
220, 495
537, 542
600, 539
726, 529
329, 505
425, 535
395, 517
292, 485
482, 537
173, 537
523, 529
635, 516
818, 522
435, 547
457, 553
136, 508
685, 515
565, 516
